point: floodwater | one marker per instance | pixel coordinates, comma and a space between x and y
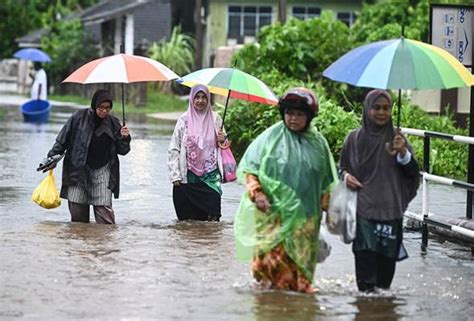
151, 267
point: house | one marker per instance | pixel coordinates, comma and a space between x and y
232, 22
138, 23
134, 23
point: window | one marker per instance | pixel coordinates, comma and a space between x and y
247, 20
303, 13
347, 17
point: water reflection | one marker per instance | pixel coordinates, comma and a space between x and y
378, 308
90, 233
279, 305
199, 232
83, 240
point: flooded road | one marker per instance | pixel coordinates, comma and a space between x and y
151, 267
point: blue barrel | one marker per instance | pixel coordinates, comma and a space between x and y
36, 111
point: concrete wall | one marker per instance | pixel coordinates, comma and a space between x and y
14, 76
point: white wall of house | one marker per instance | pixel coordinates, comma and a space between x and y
124, 29
118, 35
464, 100
129, 33
428, 100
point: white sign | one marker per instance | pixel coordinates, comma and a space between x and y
452, 30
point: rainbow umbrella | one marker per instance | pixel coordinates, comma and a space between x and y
400, 64
231, 83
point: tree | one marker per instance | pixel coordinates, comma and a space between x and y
19, 17
68, 47
384, 20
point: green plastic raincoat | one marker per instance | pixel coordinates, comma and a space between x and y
295, 170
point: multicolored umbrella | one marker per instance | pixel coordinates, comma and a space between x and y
121, 68
33, 54
400, 64
231, 83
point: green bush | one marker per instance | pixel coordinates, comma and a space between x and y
447, 158
335, 123
298, 50
177, 53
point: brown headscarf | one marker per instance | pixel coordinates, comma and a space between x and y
386, 189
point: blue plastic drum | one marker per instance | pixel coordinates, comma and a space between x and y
36, 111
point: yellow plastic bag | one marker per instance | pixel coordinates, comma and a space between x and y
46, 194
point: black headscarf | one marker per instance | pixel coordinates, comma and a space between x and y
99, 148
99, 97
386, 189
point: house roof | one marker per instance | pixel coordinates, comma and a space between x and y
108, 9
32, 39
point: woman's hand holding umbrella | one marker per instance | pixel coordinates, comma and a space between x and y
399, 143
124, 132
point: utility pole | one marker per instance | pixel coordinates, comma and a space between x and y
198, 15
282, 8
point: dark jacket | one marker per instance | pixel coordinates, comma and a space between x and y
74, 139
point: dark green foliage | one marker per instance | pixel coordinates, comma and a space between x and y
384, 19
69, 49
17, 18
299, 50
335, 123
20, 17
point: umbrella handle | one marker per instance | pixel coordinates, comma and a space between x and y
225, 109
123, 105
389, 149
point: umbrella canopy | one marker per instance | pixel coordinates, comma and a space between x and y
400, 64
121, 68
231, 83
32, 54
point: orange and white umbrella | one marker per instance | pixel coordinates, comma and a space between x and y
121, 68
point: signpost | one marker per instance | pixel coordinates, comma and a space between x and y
451, 28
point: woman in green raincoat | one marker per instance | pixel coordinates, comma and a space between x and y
289, 172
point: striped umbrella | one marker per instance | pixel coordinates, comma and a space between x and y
231, 83
400, 64
121, 68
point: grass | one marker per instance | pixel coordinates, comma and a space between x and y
3, 112
70, 98
159, 102
156, 102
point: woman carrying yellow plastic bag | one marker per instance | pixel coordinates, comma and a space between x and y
46, 194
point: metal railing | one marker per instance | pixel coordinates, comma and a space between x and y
468, 186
